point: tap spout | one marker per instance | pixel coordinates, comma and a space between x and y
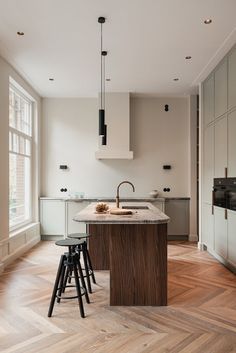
118, 191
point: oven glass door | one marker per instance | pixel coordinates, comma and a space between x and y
231, 199
220, 196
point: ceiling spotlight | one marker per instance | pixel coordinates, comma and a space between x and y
188, 57
51, 79
207, 21
176, 79
20, 33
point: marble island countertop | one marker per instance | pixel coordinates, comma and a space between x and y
140, 216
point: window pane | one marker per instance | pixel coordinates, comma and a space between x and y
22, 145
19, 193
15, 146
20, 113
27, 147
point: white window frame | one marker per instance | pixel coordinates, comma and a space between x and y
19, 90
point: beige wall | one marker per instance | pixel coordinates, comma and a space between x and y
70, 136
5, 72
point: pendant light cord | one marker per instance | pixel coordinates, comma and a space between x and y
101, 71
104, 73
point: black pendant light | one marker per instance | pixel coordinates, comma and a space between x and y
102, 128
104, 137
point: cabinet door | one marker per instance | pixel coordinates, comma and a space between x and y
208, 164
221, 89
232, 80
207, 226
52, 217
73, 207
208, 100
159, 205
232, 144
220, 226
232, 237
178, 211
220, 147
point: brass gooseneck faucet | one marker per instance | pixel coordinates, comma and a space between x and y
118, 190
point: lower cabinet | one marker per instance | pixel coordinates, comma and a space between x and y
207, 226
56, 218
73, 207
160, 205
53, 217
178, 211
220, 226
232, 237
219, 233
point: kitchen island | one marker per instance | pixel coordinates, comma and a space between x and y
134, 249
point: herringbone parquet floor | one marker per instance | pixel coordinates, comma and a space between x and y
200, 317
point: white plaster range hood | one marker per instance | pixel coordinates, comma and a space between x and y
117, 117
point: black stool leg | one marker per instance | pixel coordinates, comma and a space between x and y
61, 264
82, 279
90, 264
65, 279
61, 283
86, 267
81, 307
69, 275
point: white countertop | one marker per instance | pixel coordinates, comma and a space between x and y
151, 215
111, 199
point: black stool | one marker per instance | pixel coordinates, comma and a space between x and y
88, 268
69, 263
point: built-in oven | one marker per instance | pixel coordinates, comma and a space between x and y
220, 190
231, 194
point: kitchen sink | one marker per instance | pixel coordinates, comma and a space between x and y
135, 207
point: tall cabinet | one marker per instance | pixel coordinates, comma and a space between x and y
218, 226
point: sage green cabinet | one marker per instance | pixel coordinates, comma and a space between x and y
208, 226
220, 227
208, 100
178, 211
220, 147
232, 237
232, 143
221, 89
160, 205
232, 79
208, 164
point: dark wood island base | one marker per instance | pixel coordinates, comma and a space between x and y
136, 255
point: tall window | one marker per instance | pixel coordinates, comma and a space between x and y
20, 157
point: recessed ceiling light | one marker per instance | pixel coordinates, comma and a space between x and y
20, 33
188, 57
51, 79
176, 79
208, 21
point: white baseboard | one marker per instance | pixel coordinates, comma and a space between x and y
193, 237
224, 262
200, 246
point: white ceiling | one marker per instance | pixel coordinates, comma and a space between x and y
147, 41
